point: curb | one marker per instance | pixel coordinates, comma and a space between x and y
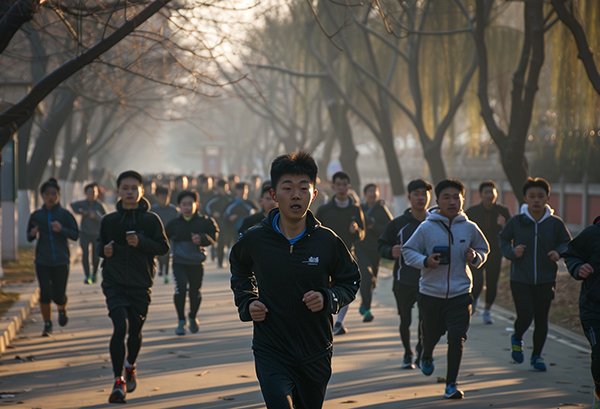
15, 317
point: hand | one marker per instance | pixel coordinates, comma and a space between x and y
434, 260
501, 220
470, 255
397, 251
353, 227
56, 226
554, 256
196, 239
233, 217
519, 250
585, 270
108, 249
34, 231
132, 239
313, 300
216, 215
258, 311
92, 215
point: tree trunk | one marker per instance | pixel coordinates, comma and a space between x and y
433, 156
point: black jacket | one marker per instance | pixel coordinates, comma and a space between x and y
89, 225
550, 233
339, 219
52, 249
398, 231
486, 220
585, 248
376, 218
251, 221
179, 231
265, 267
131, 267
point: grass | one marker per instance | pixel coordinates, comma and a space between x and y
21, 271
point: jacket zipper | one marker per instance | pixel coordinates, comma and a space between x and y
449, 263
51, 236
535, 255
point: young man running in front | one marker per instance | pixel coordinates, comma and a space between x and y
289, 275
443, 247
129, 240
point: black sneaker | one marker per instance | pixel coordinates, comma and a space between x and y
131, 378
407, 362
47, 329
94, 278
339, 329
62, 318
194, 324
119, 391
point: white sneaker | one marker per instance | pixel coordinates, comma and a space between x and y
487, 317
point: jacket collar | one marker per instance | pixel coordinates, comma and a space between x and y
311, 221
433, 215
547, 214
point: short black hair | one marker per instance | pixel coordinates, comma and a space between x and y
266, 188
537, 182
241, 185
446, 183
90, 186
51, 183
487, 183
369, 186
203, 178
191, 193
299, 163
130, 174
419, 184
222, 182
162, 190
340, 174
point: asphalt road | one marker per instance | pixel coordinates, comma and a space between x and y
214, 368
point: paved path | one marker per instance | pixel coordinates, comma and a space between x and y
214, 368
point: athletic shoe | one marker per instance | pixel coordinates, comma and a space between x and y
62, 318
47, 329
180, 330
487, 317
362, 310
368, 317
87, 281
166, 279
452, 392
119, 391
427, 366
94, 278
339, 329
131, 378
407, 362
517, 350
193, 324
537, 363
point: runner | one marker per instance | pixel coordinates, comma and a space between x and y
129, 240
288, 276
444, 246
238, 210
377, 216
91, 211
189, 234
406, 278
52, 226
346, 219
167, 211
266, 203
215, 209
490, 217
533, 241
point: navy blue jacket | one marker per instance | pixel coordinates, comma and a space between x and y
52, 249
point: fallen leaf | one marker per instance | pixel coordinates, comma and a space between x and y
203, 373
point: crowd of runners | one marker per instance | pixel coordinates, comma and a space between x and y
298, 258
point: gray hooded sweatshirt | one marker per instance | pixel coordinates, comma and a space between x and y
447, 280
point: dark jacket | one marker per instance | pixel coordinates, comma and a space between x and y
339, 219
52, 249
251, 221
398, 231
265, 267
240, 208
131, 267
166, 214
89, 225
179, 231
585, 248
486, 220
550, 233
376, 218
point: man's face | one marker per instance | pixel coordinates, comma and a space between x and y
130, 191
489, 195
207, 185
162, 199
419, 199
450, 202
223, 189
294, 193
372, 194
340, 188
188, 206
91, 193
242, 193
267, 202
536, 198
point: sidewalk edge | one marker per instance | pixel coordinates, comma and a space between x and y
16, 322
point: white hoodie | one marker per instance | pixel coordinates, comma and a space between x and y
447, 280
